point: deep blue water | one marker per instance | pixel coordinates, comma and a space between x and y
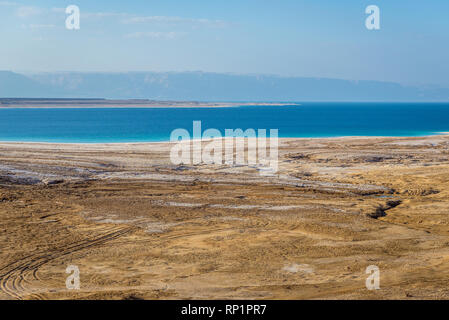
306, 120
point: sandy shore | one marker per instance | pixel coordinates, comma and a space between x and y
130, 103
139, 227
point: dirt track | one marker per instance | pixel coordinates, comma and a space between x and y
139, 227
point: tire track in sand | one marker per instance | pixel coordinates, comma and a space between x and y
14, 275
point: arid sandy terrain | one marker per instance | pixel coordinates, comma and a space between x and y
139, 227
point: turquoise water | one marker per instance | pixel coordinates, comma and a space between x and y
306, 120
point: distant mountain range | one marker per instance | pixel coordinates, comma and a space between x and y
201, 86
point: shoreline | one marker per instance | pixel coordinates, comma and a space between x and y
436, 134
124, 104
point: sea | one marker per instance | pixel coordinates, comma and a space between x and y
302, 120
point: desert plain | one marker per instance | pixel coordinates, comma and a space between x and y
139, 227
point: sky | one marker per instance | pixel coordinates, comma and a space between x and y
314, 38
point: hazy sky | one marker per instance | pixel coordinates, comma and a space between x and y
314, 38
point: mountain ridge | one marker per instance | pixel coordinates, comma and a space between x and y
207, 86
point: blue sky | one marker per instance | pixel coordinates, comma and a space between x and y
325, 38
